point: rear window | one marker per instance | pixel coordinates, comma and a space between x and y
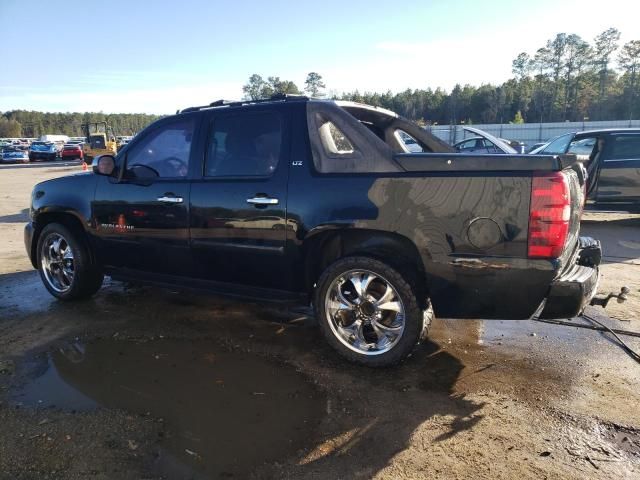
625, 147
409, 143
558, 146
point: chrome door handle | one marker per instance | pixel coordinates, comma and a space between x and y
262, 201
166, 199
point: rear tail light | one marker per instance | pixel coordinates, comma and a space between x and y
549, 215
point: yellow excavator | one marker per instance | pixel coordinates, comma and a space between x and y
100, 140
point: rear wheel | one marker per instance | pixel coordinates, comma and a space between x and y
368, 312
65, 263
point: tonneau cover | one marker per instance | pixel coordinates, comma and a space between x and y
448, 162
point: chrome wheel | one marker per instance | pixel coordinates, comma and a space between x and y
56, 260
365, 312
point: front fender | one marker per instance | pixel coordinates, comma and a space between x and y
71, 195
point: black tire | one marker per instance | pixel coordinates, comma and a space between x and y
87, 276
416, 321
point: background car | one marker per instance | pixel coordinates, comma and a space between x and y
483, 142
43, 151
612, 160
476, 145
13, 154
536, 147
72, 151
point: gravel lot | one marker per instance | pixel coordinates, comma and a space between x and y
143, 382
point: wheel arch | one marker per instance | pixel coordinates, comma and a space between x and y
66, 218
397, 251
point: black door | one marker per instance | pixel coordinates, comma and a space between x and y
619, 173
238, 207
142, 221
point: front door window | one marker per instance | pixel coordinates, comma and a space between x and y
164, 153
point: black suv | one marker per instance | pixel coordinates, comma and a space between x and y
347, 207
612, 158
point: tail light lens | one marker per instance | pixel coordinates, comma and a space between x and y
549, 215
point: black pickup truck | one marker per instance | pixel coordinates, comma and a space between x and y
322, 203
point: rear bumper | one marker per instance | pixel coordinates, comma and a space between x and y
42, 155
573, 290
14, 159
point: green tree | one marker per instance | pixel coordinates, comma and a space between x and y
282, 87
605, 45
521, 65
257, 88
10, 128
629, 60
577, 55
253, 90
557, 50
313, 85
518, 118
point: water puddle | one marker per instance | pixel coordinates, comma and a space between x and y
626, 439
225, 413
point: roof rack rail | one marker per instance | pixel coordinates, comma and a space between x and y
286, 97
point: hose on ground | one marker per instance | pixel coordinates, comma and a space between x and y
601, 327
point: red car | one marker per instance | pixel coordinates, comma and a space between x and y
70, 151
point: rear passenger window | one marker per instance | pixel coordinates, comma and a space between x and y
342, 144
625, 147
334, 141
247, 144
408, 142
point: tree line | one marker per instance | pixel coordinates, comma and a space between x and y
23, 123
567, 79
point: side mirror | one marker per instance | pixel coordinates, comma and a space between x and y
104, 165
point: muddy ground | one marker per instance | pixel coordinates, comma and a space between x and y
143, 382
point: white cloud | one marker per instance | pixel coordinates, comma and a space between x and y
475, 55
152, 100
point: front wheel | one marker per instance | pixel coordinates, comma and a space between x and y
368, 312
65, 264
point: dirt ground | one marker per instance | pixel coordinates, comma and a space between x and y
142, 382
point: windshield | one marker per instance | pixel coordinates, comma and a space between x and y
583, 146
558, 146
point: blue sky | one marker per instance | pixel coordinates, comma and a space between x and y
156, 57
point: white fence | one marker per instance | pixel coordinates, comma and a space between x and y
527, 133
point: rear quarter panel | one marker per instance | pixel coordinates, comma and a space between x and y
470, 231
